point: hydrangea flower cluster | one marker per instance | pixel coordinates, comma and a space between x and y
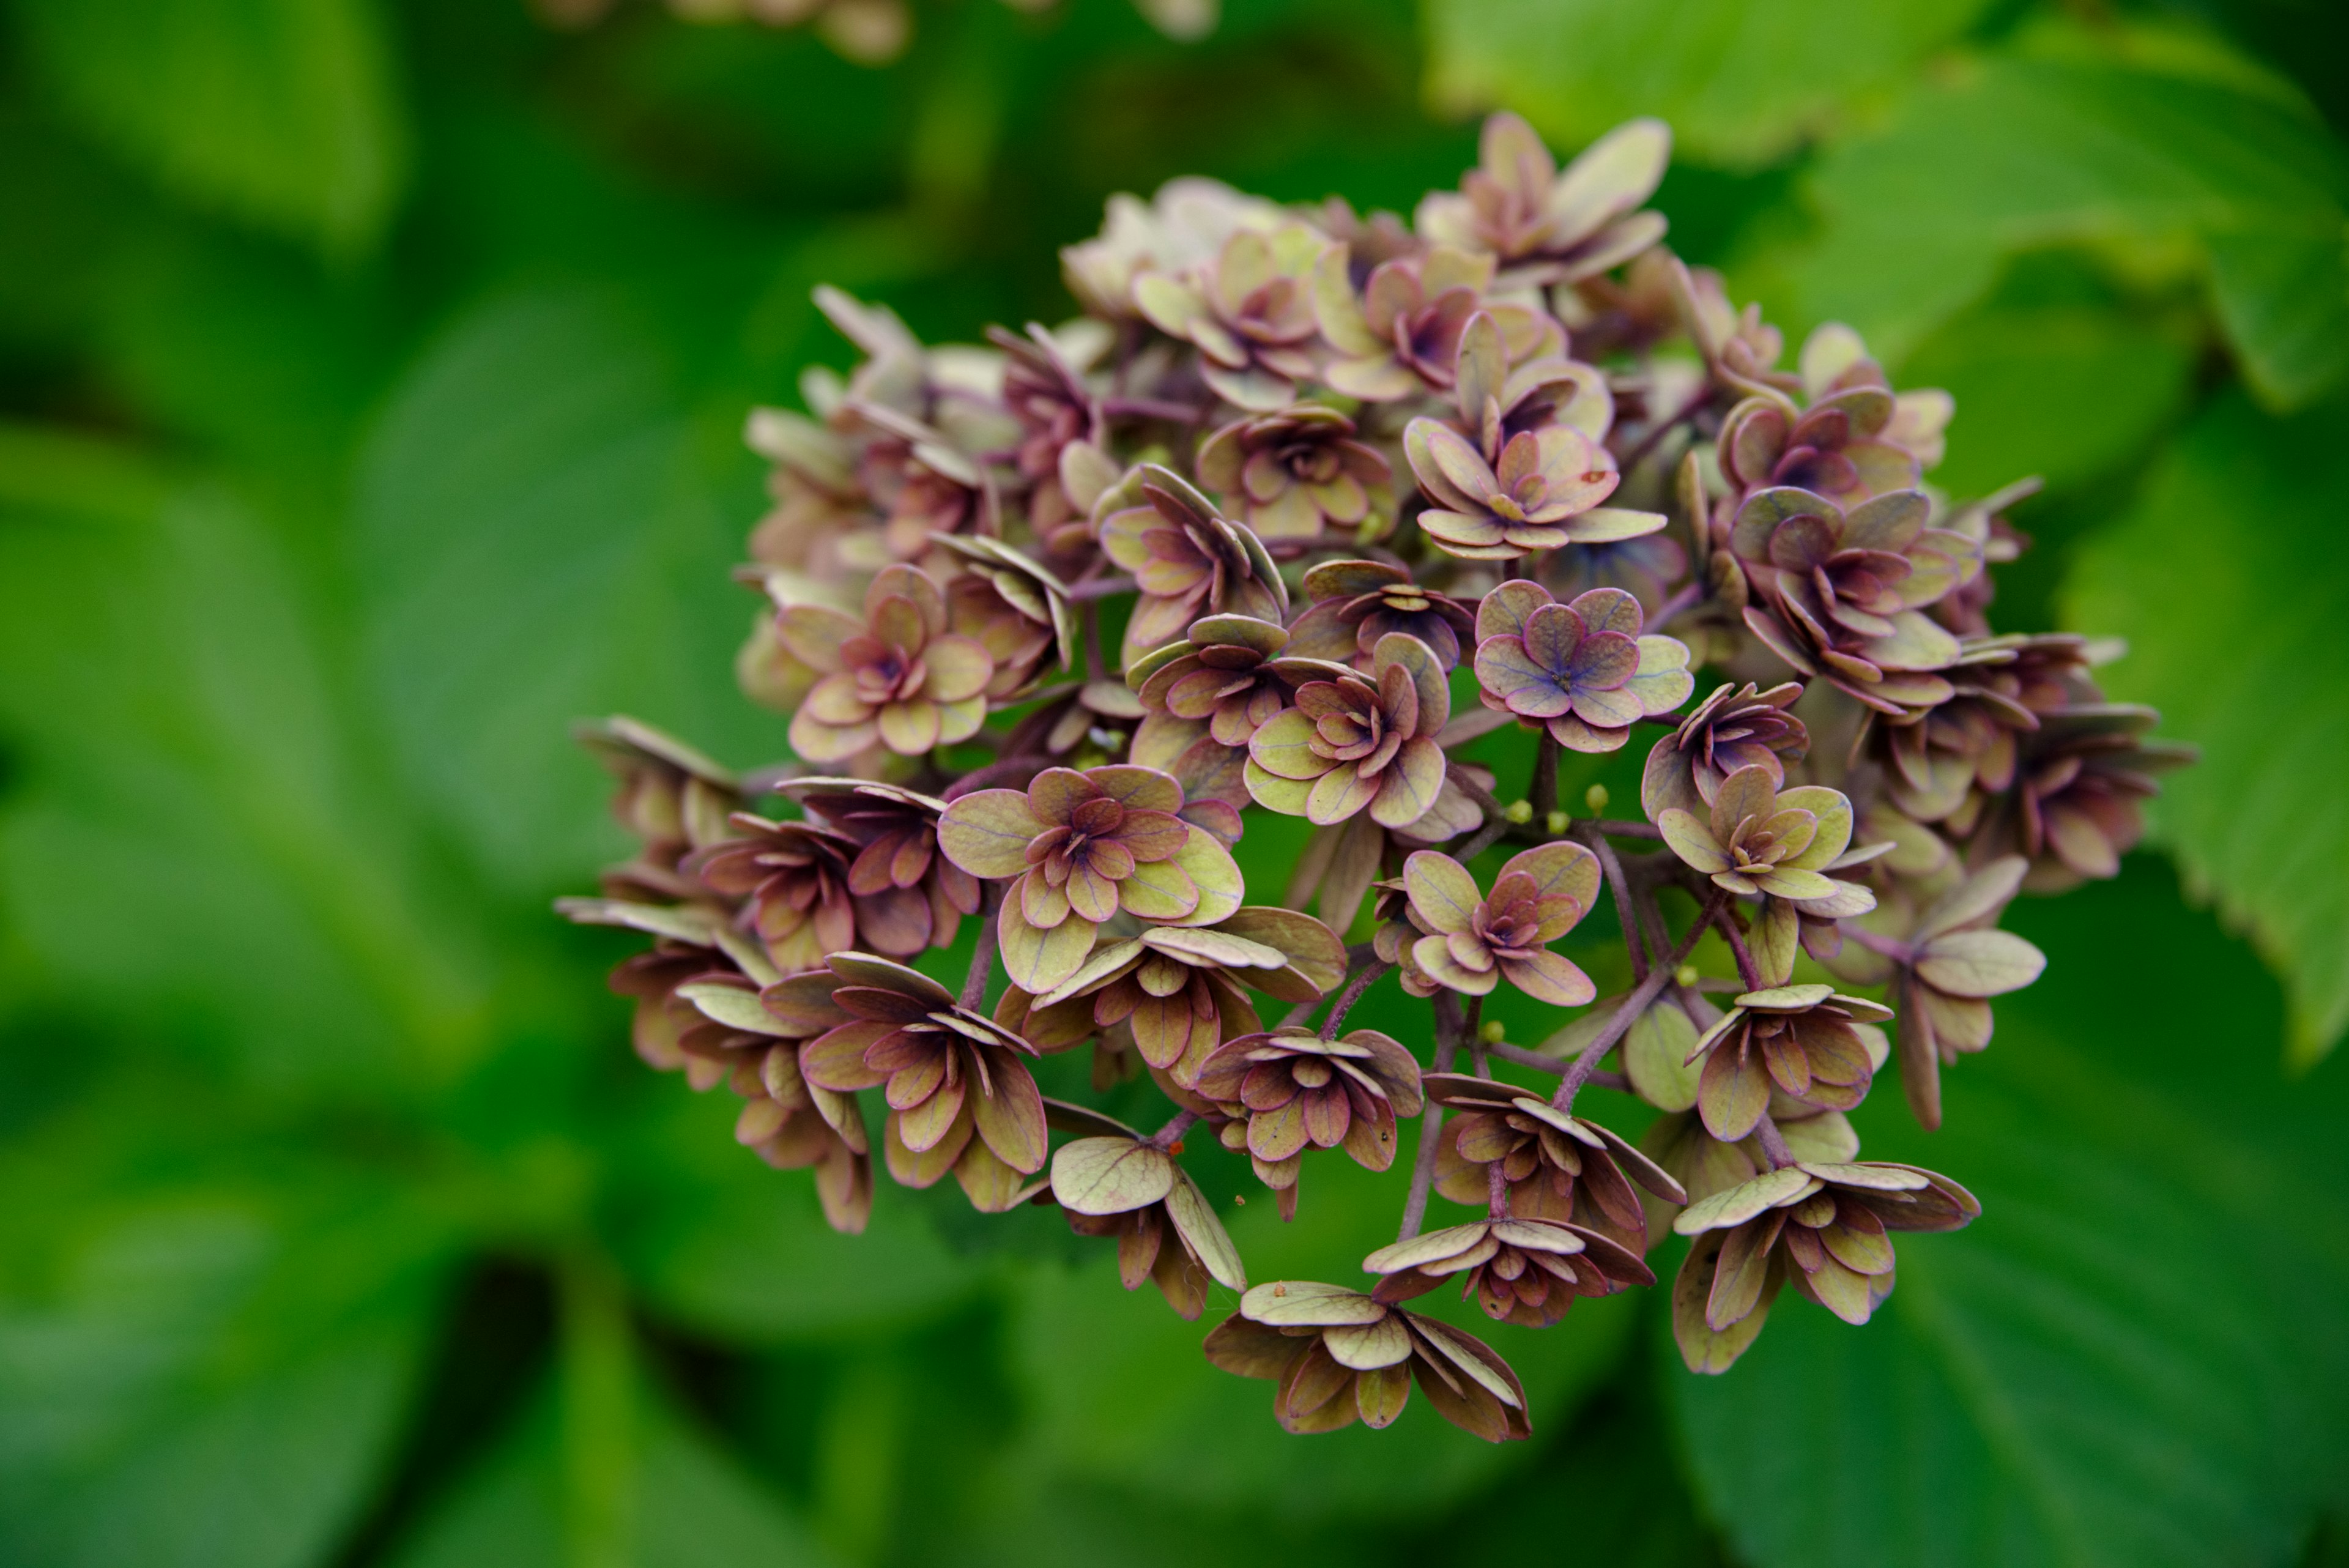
1298, 506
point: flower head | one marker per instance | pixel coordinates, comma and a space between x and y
1472, 943
1796, 1039
1821, 1226
1014, 609
1358, 742
1340, 1356
1401, 336
1296, 473
1583, 669
1189, 561
671, 797
794, 876
899, 678
1544, 492
1554, 227
1116, 1183
1081, 846
1733, 728
1757, 839
1249, 312
959, 1094
1290, 1089
1356, 603
906, 895
1525, 1272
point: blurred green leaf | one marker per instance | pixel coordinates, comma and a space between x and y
2226, 584
729, 1247
541, 541
2166, 172
2070, 389
1743, 82
696, 1507
282, 111
2138, 1355
188, 757
197, 1366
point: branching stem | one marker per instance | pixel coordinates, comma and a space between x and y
1633, 1005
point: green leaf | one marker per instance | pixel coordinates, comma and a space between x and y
1742, 84
2069, 389
540, 543
284, 112
2226, 583
2165, 172
695, 1506
204, 1368
189, 756
725, 1245
2136, 1355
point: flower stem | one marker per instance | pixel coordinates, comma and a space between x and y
1176, 1126
1496, 1191
1626, 911
982, 957
1362, 983
1431, 1120
1747, 970
1628, 1014
1773, 1143
1100, 588
1544, 793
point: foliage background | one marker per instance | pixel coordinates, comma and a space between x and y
370, 376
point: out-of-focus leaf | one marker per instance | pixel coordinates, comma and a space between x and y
2165, 170
196, 849
200, 1369
2226, 584
282, 111
725, 1244
1742, 83
2068, 390
539, 542
1121, 1392
2138, 1354
694, 1505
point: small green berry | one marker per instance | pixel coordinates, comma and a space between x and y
1595, 798
1518, 811
1555, 822
1493, 1032
1685, 974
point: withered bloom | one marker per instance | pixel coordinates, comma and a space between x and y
1358, 743
1557, 1165
1583, 671
1355, 603
1118, 1183
1525, 1272
899, 678
1401, 337
1821, 1226
1189, 561
1544, 492
1734, 728
1296, 473
1226, 680
1291, 1089
1796, 1040
671, 797
1082, 847
957, 1083
1472, 943
794, 879
1249, 312
1548, 226
1047, 397
1340, 1356
908, 896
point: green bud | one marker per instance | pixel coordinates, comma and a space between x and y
1493, 1032
1555, 822
1595, 798
1518, 811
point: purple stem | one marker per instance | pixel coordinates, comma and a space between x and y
1176, 1126
1100, 589
1773, 1143
1150, 409
1348, 997
1747, 970
1431, 1121
1626, 911
982, 957
1633, 1005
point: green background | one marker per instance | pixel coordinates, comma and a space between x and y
370, 381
